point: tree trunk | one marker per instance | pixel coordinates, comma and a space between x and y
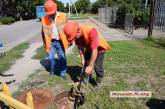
151, 21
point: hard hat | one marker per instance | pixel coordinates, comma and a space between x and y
70, 29
50, 7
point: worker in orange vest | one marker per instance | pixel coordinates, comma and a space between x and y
53, 36
91, 47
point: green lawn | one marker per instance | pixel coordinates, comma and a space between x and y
131, 65
81, 16
40, 53
11, 56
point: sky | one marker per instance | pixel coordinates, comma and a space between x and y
66, 1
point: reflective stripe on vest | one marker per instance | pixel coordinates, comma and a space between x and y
47, 29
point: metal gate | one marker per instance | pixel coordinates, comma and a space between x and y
128, 26
159, 22
108, 15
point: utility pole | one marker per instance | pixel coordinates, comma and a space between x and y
72, 3
69, 9
151, 21
106, 3
146, 3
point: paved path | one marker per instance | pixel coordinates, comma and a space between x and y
18, 32
23, 67
110, 34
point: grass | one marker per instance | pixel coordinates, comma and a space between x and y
131, 65
40, 53
11, 56
160, 41
81, 16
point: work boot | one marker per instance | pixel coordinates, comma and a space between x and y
98, 80
64, 77
98, 84
52, 73
92, 81
97, 87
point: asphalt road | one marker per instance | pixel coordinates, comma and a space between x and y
14, 34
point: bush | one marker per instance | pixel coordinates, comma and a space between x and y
7, 20
161, 41
120, 19
141, 17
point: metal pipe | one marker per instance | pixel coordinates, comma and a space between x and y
12, 102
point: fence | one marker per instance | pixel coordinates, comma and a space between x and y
128, 26
159, 17
108, 15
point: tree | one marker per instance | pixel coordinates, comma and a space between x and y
38, 2
60, 5
95, 6
83, 6
99, 4
67, 8
25, 8
7, 8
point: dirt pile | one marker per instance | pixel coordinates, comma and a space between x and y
42, 98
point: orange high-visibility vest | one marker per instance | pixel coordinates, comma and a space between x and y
47, 31
102, 42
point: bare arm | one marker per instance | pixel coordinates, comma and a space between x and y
93, 57
90, 66
81, 52
94, 43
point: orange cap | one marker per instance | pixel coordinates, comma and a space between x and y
70, 29
50, 7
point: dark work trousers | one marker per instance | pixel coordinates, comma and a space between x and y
98, 67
